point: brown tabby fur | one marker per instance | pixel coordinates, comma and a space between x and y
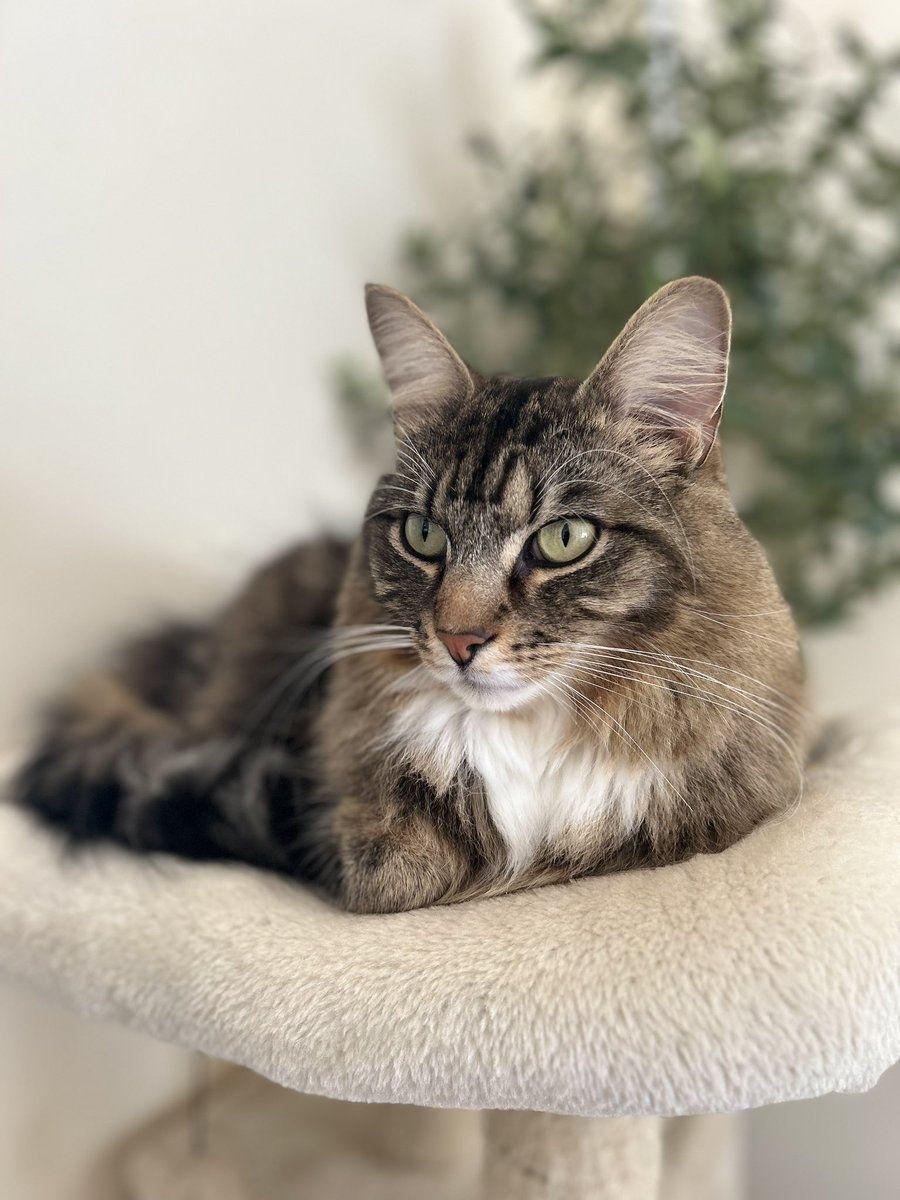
216, 741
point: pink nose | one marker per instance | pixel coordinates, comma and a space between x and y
462, 646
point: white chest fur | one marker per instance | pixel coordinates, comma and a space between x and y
539, 786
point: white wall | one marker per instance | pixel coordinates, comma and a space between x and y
191, 195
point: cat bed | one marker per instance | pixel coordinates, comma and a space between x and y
768, 973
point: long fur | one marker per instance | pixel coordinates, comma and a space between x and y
633, 707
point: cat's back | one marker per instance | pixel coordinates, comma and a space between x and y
297, 589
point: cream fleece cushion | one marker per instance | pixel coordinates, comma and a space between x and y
770, 972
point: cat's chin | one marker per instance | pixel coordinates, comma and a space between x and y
488, 694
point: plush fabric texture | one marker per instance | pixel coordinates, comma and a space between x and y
770, 972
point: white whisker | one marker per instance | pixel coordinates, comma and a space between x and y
403, 491
785, 702
607, 716
742, 629
687, 691
692, 692
409, 447
293, 683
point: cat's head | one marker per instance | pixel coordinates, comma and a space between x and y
528, 517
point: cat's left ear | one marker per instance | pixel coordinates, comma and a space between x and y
421, 367
669, 365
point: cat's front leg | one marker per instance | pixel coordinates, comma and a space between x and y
396, 855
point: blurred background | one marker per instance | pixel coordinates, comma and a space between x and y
192, 195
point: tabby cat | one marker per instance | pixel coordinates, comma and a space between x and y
553, 650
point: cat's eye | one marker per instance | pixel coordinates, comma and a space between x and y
423, 537
564, 541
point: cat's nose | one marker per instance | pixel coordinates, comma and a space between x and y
462, 646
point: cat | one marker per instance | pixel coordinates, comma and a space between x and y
554, 649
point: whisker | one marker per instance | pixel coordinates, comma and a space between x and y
404, 491
340, 630
785, 702
687, 676
616, 488
301, 675
720, 703
407, 444
743, 629
653, 763
687, 691
415, 481
759, 612
339, 634
293, 686
607, 716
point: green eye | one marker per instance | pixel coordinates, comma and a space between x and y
423, 537
564, 541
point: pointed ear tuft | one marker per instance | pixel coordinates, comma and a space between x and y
669, 365
421, 367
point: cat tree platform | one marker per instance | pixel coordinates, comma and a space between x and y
768, 973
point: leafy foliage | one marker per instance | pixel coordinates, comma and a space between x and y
725, 152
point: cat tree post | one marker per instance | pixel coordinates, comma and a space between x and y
543, 1156
770, 972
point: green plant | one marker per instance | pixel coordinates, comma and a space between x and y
725, 152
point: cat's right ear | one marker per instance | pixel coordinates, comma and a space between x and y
669, 365
421, 367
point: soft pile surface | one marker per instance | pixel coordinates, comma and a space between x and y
770, 972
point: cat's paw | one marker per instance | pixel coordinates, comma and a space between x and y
380, 876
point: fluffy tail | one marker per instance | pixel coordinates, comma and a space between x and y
114, 763
175, 749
